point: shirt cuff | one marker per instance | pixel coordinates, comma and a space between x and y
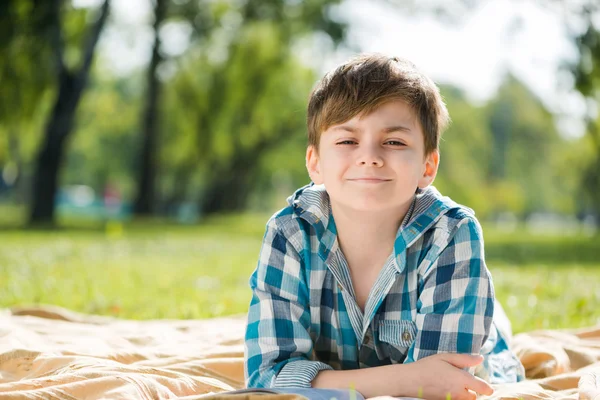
299, 374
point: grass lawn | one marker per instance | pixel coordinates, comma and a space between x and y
151, 270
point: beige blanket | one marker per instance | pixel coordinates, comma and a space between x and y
52, 353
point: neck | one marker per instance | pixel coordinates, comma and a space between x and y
363, 234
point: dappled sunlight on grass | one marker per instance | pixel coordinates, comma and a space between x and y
144, 274
537, 296
149, 269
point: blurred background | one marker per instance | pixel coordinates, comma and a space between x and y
144, 143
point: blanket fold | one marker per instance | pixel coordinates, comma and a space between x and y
50, 352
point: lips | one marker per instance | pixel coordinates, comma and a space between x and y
370, 179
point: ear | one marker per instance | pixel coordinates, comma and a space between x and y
432, 161
312, 165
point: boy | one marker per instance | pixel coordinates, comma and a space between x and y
370, 277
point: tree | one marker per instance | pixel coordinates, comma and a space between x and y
71, 84
23, 48
266, 37
224, 116
524, 143
145, 197
255, 41
465, 151
254, 117
587, 81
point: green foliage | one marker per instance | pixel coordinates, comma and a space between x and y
573, 159
465, 149
505, 156
227, 109
586, 72
27, 62
107, 123
524, 139
233, 109
24, 47
75, 25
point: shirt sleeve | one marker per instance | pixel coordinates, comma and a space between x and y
456, 301
278, 344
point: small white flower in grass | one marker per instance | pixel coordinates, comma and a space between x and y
512, 301
207, 283
532, 300
218, 309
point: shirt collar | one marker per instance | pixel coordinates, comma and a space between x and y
312, 204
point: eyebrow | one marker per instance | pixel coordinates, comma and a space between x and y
397, 128
389, 129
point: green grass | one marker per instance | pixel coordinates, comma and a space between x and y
156, 270
546, 281
146, 271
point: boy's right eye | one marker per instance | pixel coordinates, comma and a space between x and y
347, 142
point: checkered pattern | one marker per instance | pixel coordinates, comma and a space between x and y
434, 295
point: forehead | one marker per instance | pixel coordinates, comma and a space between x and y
394, 113
395, 110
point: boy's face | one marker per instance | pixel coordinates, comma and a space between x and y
374, 162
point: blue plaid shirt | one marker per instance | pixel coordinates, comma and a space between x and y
434, 295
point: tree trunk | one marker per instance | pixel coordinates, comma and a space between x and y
229, 190
60, 124
181, 181
501, 130
591, 176
15, 155
48, 162
146, 196
231, 185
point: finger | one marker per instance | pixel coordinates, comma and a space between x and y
462, 395
476, 384
466, 395
462, 360
480, 386
471, 395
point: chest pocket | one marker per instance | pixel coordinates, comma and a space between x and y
396, 337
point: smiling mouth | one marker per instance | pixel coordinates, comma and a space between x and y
370, 180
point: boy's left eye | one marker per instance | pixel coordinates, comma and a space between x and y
395, 143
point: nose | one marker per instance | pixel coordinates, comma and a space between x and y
370, 157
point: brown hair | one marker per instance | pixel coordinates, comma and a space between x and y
366, 82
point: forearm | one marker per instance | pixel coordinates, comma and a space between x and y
388, 380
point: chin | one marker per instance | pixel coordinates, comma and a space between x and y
362, 201
367, 205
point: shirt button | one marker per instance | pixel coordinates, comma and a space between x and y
406, 335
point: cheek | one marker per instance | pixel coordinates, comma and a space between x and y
410, 160
411, 168
334, 163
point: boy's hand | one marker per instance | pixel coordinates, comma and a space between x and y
437, 377
441, 376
